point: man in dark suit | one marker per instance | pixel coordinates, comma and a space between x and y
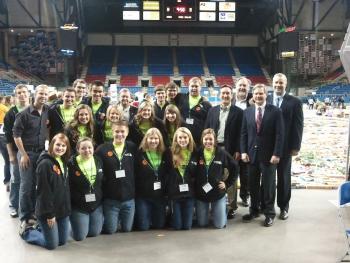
261, 146
293, 119
226, 120
128, 110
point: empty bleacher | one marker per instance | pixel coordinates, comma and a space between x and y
218, 61
101, 60
160, 80
189, 61
128, 81
160, 61
130, 61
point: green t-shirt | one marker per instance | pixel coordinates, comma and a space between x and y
82, 129
144, 126
60, 162
155, 158
77, 102
186, 155
19, 108
67, 114
108, 132
95, 107
208, 156
118, 148
88, 167
171, 132
193, 101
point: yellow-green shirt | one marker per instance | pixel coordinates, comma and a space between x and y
118, 148
3, 110
193, 101
186, 155
60, 162
154, 158
77, 102
208, 156
144, 126
171, 132
88, 167
19, 108
82, 129
67, 114
108, 132
95, 107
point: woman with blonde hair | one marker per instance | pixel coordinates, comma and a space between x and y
105, 133
181, 179
151, 166
143, 121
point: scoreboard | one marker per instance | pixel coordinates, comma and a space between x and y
195, 11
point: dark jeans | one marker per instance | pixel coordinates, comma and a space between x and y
182, 213
5, 156
264, 191
150, 212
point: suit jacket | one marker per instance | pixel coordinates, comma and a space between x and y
132, 112
293, 118
260, 147
232, 128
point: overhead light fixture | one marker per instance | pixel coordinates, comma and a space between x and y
31, 31
332, 35
11, 30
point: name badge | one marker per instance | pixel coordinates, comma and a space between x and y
189, 121
207, 187
157, 185
119, 174
90, 198
183, 187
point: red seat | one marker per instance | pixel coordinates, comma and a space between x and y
221, 80
187, 79
156, 80
128, 80
91, 78
258, 79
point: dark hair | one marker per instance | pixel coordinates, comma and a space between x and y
97, 83
64, 138
83, 139
173, 109
171, 85
69, 90
159, 87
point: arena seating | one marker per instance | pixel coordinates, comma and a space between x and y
189, 61
160, 61
101, 60
160, 80
218, 61
128, 81
130, 60
221, 80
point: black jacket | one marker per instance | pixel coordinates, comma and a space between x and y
102, 110
80, 186
232, 129
174, 179
158, 111
198, 113
260, 147
136, 136
215, 174
52, 189
121, 189
56, 122
99, 137
145, 176
9, 121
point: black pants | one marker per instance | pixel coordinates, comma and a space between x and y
244, 188
262, 185
5, 155
284, 182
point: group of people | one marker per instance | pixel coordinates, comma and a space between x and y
102, 168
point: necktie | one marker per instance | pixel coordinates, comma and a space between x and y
278, 102
258, 120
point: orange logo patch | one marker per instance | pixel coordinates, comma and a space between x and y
144, 162
77, 173
56, 169
201, 162
110, 154
198, 108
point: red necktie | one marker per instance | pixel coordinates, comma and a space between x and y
258, 120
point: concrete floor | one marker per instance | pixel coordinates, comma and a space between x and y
311, 234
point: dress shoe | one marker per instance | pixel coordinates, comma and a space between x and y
249, 217
231, 214
284, 215
245, 202
268, 221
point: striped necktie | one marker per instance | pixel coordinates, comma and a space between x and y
258, 120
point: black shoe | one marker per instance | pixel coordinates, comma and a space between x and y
268, 221
245, 202
231, 214
284, 215
249, 217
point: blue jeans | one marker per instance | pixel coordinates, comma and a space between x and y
14, 187
84, 225
218, 210
5, 156
114, 212
182, 213
47, 237
150, 212
27, 187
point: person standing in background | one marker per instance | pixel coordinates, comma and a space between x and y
7, 175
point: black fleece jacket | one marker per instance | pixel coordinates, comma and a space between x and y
52, 189
80, 186
121, 189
